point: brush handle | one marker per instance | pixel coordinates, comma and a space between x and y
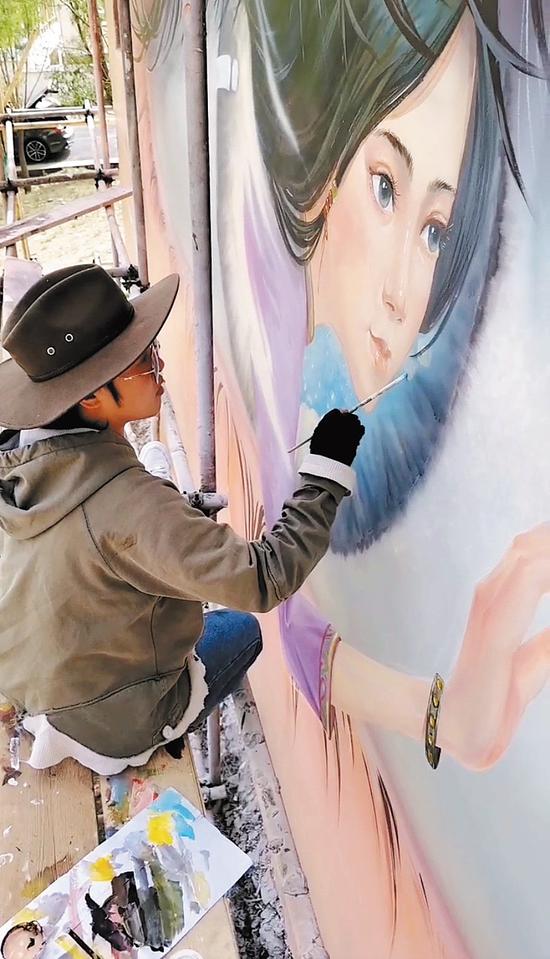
299, 446
369, 399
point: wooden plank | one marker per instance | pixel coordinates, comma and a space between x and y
62, 214
19, 275
122, 796
74, 177
47, 823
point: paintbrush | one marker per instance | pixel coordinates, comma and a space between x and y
83, 945
369, 399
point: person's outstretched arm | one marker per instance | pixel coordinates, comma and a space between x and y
150, 537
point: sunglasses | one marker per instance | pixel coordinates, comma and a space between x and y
154, 351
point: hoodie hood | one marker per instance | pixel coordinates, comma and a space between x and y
43, 482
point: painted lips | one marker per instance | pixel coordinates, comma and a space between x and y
380, 351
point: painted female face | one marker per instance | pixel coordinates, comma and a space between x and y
372, 277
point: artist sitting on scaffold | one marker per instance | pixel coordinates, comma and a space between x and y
104, 569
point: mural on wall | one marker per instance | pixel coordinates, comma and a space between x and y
381, 205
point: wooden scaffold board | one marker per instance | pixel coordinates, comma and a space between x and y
50, 819
30, 225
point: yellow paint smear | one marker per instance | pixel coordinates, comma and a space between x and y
28, 915
70, 947
159, 829
44, 878
33, 888
102, 870
202, 889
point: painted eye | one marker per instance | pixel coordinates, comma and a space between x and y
383, 191
433, 234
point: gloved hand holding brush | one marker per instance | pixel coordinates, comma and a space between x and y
337, 435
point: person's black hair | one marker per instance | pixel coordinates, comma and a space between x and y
73, 419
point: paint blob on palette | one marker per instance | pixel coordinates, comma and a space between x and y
139, 892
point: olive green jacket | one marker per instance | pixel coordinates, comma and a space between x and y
103, 572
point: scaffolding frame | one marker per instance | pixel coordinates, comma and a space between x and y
15, 122
18, 230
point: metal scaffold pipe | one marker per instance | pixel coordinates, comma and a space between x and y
126, 47
51, 114
11, 174
97, 57
199, 196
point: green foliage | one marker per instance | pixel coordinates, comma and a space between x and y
79, 84
19, 19
79, 15
75, 82
20, 22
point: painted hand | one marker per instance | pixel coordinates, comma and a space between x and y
500, 669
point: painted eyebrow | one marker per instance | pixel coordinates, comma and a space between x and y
435, 186
399, 147
441, 185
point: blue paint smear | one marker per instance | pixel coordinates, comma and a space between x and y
171, 801
119, 787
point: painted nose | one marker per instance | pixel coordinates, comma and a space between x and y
394, 301
394, 293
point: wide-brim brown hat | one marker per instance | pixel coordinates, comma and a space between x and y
70, 333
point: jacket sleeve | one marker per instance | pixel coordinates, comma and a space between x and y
154, 540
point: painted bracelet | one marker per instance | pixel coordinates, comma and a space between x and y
433, 752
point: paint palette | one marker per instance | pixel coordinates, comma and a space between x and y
138, 893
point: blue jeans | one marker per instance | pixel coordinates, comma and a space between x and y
230, 643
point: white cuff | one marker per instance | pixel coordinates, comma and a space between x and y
317, 465
156, 459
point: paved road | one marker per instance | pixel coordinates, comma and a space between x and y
80, 148
80, 151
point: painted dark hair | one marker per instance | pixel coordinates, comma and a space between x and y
311, 120
324, 75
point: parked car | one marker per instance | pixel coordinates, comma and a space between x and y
43, 145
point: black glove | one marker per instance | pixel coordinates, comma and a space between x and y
337, 436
